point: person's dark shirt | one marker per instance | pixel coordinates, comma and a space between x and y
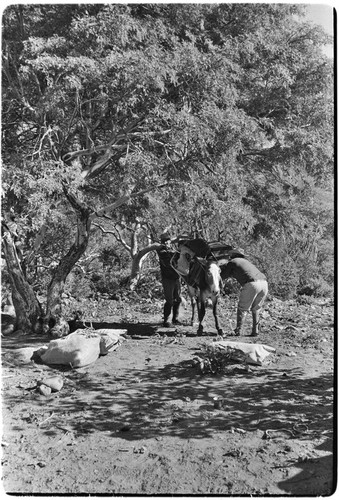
165, 255
242, 270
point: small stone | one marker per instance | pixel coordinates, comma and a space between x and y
55, 383
44, 390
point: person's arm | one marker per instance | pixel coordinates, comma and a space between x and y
226, 271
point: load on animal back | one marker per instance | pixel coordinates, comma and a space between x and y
198, 266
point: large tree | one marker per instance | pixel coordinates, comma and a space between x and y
227, 104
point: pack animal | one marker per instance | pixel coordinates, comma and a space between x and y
202, 275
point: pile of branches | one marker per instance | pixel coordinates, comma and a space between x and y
214, 359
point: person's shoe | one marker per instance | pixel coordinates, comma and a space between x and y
166, 324
176, 322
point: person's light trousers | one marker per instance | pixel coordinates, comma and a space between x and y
253, 295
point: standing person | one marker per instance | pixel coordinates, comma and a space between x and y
253, 292
170, 281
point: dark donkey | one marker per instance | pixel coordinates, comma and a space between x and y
199, 268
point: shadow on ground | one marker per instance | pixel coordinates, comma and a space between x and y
308, 482
132, 328
174, 399
149, 388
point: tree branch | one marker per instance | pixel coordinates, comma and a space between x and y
116, 235
123, 199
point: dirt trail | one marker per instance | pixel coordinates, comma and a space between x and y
141, 420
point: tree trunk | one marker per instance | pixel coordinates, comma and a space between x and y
54, 323
137, 262
27, 307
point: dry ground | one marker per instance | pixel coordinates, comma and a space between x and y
141, 420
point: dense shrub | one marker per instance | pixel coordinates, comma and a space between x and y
279, 267
290, 272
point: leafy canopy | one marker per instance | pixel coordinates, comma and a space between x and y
230, 104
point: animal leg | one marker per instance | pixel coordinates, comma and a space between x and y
167, 312
193, 303
215, 314
201, 315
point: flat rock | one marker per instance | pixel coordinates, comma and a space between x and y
166, 331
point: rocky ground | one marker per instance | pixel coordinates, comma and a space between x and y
141, 420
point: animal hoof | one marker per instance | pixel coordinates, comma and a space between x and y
221, 332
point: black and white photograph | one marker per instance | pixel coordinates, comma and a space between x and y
168, 249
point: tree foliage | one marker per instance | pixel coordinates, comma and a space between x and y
230, 105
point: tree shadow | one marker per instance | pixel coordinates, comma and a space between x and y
174, 401
317, 477
19, 341
142, 402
